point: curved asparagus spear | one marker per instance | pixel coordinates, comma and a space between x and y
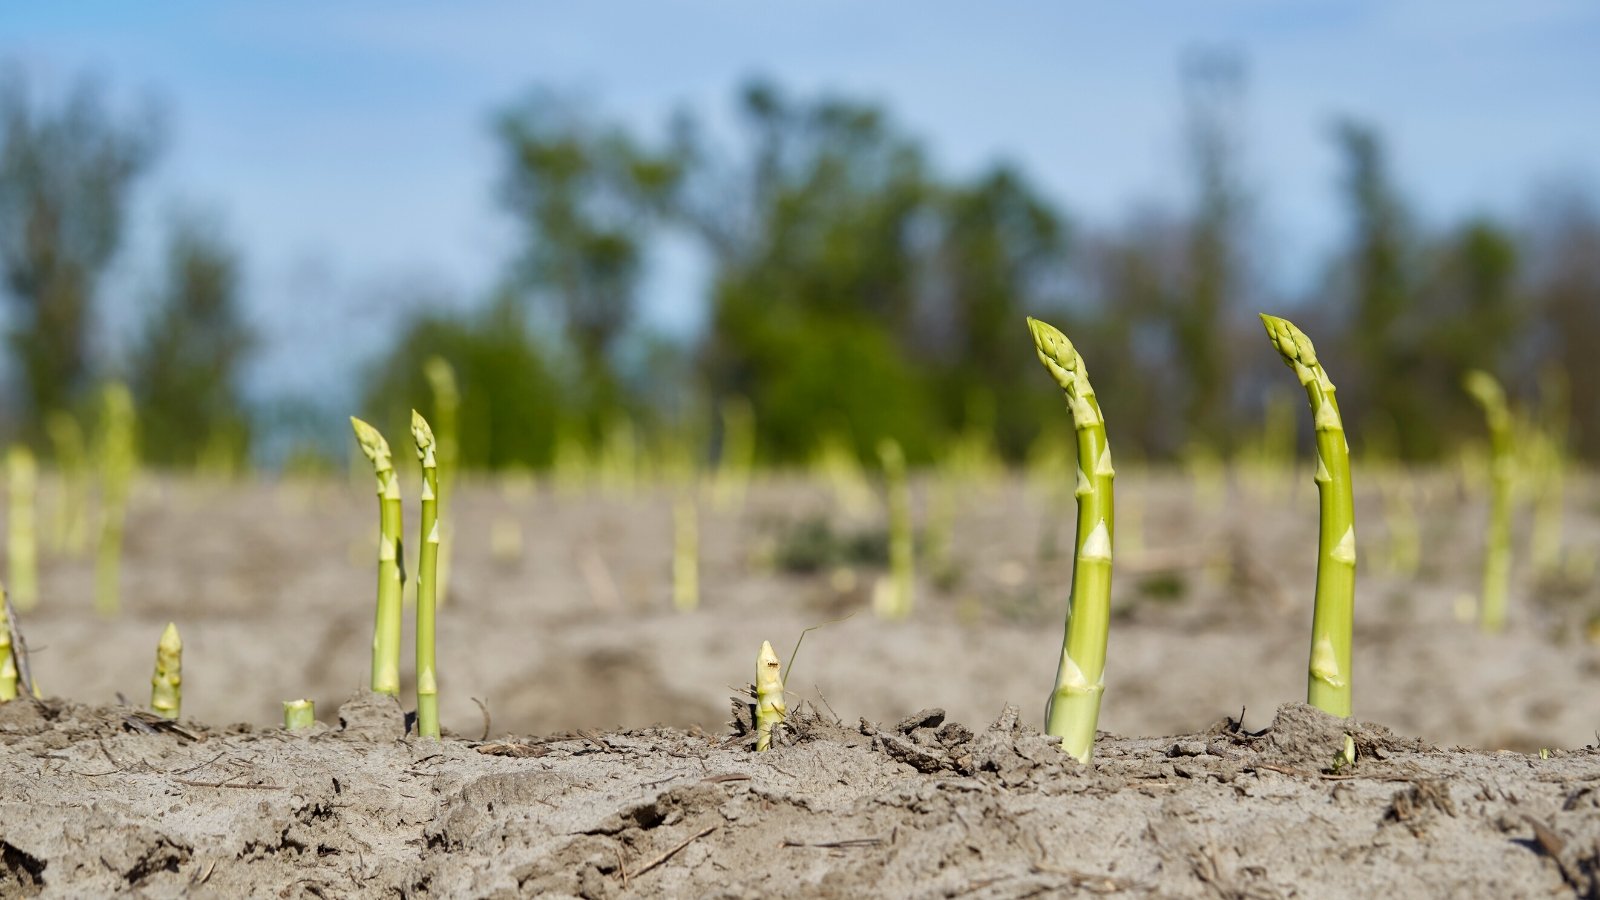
1074, 706
427, 580
166, 687
1328, 682
1502, 464
770, 708
386, 632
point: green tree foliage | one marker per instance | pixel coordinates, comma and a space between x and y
66, 172
512, 404
186, 370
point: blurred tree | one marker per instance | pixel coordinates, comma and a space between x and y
186, 370
1377, 275
1213, 83
1563, 248
66, 172
585, 196
511, 404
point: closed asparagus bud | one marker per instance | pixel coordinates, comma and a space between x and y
1502, 473
386, 629
427, 580
22, 543
770, 709
8, 662
166, 687
1328, 681
298, 714
1073, 709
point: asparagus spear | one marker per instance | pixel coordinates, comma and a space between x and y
117, 462
386, 631
1074, 706
22, 543
770, 708
1328, 682
427, 580
166, 687
298, 714
1502, 471
8, 660
896, 601
447, 412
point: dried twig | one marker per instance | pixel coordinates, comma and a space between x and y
674, 851
19, 651
483, 708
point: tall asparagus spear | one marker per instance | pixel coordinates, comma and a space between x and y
770, 708
1074, 706
8, 662
427, 580
1502, 471
447, 413
895, 600
166, 686
1328, 682
386, 631
22, 542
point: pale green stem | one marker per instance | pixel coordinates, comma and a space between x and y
1332, 621
118, 461
71, 531
1502, 472
427, 580
298, 714
1073, 710
898, 601
447, 414
8, 661
166, 686
386, 630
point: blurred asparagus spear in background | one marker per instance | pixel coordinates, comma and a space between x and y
118, 459
427, 579
738, 452
447, 417
1486, 391
770, 708
1332, 621
685, 551
70, 531
22, 542
895, 597
1074, 706
386, 629
166, 686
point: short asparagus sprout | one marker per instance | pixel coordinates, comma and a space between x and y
298, 714
166, 687
22, 542
8, 660
427, 580
1502, 472
896, 600
1328, 681
117, 463
770, 708
386, 629
1073, 710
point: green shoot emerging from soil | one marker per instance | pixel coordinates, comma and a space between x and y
1074, 706
1502, 470
770, 709
386, 631
298, 714
8, 661
166, 686
427, 580
1328, 684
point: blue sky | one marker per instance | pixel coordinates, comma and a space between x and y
347, 144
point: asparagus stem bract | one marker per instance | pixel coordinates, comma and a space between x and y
770, 708
166, 686
298, 714
1502, 472
1074, 706
22, 542
1328, 682
427, 580
386, 630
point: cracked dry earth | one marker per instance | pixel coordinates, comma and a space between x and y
107, 801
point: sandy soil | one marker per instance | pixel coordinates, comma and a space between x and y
560, 620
